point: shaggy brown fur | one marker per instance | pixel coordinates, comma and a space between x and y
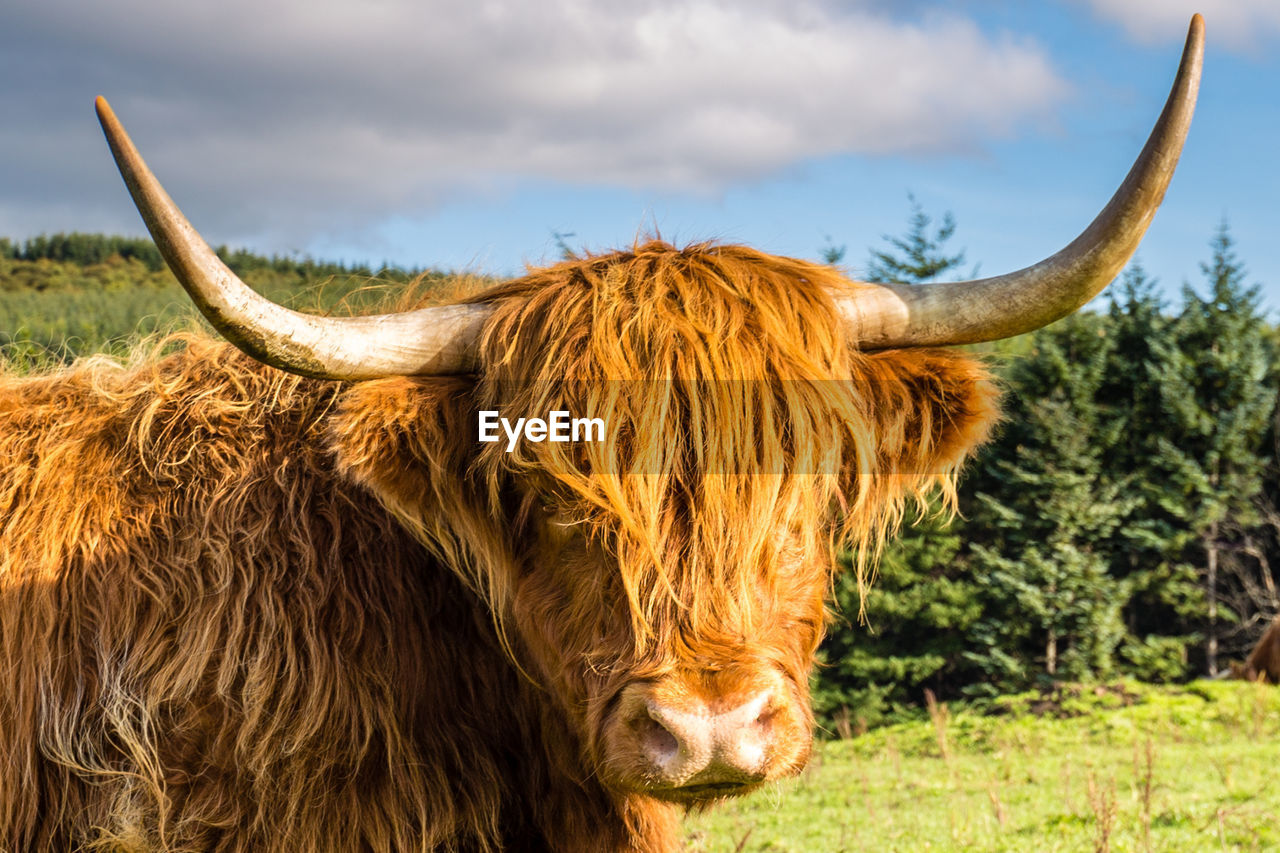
241, 610
1264, 661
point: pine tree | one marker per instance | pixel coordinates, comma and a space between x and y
1218, 410
915, 257
918, 615
1046, 508
1150, 545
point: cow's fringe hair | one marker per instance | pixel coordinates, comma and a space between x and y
737, 411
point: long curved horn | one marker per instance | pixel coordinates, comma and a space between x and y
964, 312
425, 341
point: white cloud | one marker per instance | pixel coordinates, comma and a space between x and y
398, 104
1243, 24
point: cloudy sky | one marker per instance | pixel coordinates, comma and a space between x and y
464, 133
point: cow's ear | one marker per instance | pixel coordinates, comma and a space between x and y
930, 410
411, 442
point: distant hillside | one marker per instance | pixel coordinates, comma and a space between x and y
64, 295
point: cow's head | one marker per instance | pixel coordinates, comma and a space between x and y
667, 583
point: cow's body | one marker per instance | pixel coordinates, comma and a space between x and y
211, 640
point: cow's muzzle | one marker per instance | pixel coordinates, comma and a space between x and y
684, 739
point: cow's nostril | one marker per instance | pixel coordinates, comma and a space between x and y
660, 745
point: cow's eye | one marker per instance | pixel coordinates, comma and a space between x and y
555, 517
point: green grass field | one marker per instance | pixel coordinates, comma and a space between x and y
1194, 768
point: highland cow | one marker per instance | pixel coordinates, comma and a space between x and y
283, 599
1263, 663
